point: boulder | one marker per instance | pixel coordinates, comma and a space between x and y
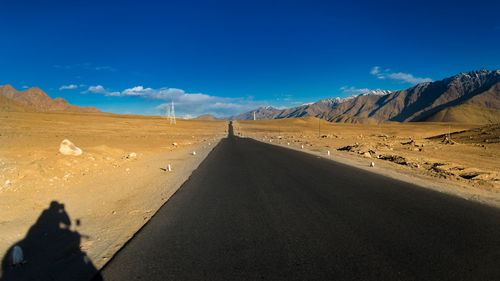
68, 148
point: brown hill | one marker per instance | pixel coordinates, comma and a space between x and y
10, 105
37, 100
260, 113
423, 100
467, 113
206, 117
418, 103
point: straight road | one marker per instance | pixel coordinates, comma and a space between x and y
253, 211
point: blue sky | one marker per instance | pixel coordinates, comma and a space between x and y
228, 57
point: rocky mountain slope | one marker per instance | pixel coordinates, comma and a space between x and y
418, 103
34, 99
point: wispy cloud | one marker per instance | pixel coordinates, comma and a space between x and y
185, 103
25, 87
398, 76
375, 70
68, 87
408, 78
85, 66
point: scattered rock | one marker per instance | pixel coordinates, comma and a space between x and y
349, 148
68, 148
394, 158
447, 140
411, 142
131, 156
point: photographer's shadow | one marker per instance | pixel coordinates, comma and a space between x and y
51, 251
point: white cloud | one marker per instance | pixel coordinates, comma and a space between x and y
399, 76
97, 90
408, 78
100, 90
25, 87
375, 70
185, 103
68, 87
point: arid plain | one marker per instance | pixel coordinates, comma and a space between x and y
112, 188
461, 158
122, 176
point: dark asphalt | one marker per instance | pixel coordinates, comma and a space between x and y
254, 211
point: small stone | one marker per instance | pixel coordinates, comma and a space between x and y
174, 144
194, 153
372, 164
17, 255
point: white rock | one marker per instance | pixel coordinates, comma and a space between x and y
68, 148
372, 164
328, 152
132, 155
194, 153
302, 146
169, 168
7, 182
17, 255
174, 144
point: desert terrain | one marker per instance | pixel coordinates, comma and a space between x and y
461, 157
112, 188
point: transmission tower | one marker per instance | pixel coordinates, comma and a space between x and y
172, 113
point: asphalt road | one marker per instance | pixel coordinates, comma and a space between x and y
253, 211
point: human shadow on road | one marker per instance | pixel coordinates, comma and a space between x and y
51, 251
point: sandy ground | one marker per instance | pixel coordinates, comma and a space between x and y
467, 165
112, 189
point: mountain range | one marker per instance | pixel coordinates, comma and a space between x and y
34, 99
429, 101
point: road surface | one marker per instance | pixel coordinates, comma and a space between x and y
253, 211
